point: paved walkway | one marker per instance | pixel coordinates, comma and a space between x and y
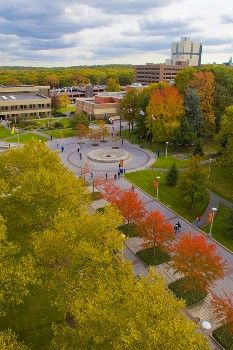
214, 202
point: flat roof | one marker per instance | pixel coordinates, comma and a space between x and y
16, 96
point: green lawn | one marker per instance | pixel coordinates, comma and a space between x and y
24, 138
221, 180
224, 336
68, 109
60, 133
190, 297
44, 121
220, 230
153, 256
168, 195
4, 132
163, 162
32, 320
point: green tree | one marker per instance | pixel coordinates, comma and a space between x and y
113, 85
193, 111
131, 107
185, 135
183, 78
192, 182
8, 341
198, 150
35, 185
172, 175
79, 119
18, 275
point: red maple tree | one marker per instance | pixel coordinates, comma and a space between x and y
156, 230
224, 309
197, 259
127, 202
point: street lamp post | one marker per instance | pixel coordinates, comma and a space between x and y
158, 178
212, 219
166, 148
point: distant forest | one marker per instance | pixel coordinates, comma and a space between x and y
66, 76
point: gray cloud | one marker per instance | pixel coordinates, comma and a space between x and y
127, 7
227, 19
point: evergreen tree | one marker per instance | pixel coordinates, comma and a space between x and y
193, 110
172, 175
185, 134
198, 150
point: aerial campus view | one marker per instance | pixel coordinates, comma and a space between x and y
116, 175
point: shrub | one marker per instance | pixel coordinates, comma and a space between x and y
172, 175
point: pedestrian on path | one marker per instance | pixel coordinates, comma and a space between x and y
51, 137
80, 156
115, 176
197, 221
78, 149
119, 173
92, 175
57, 145
62, 148
176, 228
133, 188
106, 176
179, 226
122, 142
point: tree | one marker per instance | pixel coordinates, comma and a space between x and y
224, 309
127, 202
35, 185
183, 78
193, 111
103, 129
197, 260
64, 101
131, 107
198, 150
204, 83
8, 341
192, 182
79, 119
18, 275
172, 175
113, 85
164, 112
112, 310
55, 102
185, 135
52, 80
95, 134
81, 131
156, 231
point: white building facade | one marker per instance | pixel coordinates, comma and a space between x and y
187, 50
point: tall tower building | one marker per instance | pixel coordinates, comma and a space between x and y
186, 50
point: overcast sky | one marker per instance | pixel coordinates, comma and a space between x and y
75, 32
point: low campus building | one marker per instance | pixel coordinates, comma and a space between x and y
102, 105
24, 101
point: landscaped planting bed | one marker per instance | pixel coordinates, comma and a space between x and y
153, 256
224, 336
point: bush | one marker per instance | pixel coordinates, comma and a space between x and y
28, 124
224, 336
153, 256
172, 175
198, 150
58, 114
58, 125
191, 296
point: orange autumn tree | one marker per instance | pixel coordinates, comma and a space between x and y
224, 309
156, 231
164, 112
127, 202
197, 260
204, 83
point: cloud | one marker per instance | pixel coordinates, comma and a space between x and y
127, 7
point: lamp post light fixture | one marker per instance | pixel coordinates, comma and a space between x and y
212, 219
158, 178
166, 149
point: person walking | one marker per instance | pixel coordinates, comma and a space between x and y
133, 188
122, 142
106, 176
179, 226
119, 173
115, 176
51, 137
175, 228
62, 148
78, 149
80, 156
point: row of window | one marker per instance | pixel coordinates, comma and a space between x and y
19, 107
